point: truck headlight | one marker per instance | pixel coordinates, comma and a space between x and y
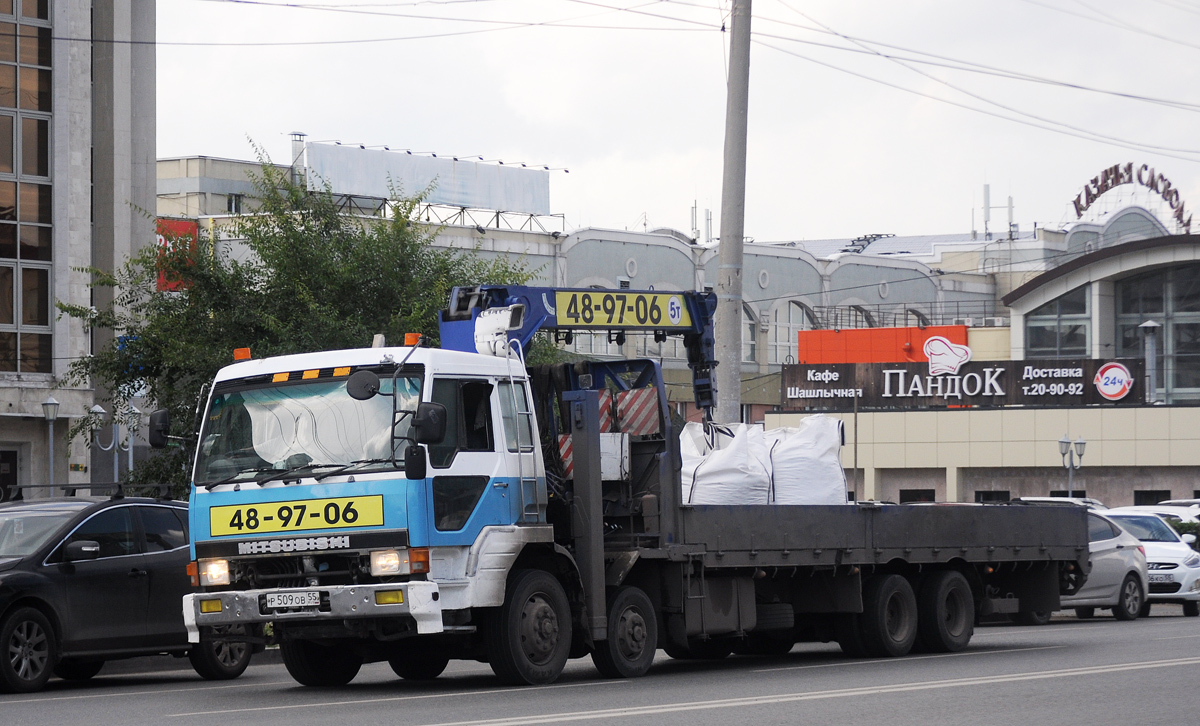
1193, 560
214, 572
389, 562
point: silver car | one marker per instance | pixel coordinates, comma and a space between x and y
1119, 577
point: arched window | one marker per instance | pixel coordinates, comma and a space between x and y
787, 321
749, 336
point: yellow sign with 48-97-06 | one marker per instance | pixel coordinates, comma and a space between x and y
270, 517
620, 309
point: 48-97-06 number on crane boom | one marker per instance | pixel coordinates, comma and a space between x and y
601, 309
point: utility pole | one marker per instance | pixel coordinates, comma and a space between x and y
729, 326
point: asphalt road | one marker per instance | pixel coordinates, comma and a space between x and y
1069, 672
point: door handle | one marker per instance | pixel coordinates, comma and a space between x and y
137, 573
1120, 547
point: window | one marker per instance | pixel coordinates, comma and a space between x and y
454, 498
1099, 529
1080, 493
1061, 328
1171, 298
992, 496
1150, 497
233, 203
916, 495
749, 337
112, 529
516, 426
469, 419
788, 320
164, 529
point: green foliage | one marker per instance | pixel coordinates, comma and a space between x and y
317, 280
1187, 528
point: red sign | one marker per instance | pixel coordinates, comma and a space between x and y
171, 233
874, 345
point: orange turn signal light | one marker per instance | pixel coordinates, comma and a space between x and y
193, 573
418, 559
411, 339
241, 354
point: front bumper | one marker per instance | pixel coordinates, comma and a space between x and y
420, 602
1185, 585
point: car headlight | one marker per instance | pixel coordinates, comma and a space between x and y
214, 572
1193, 560
389, 562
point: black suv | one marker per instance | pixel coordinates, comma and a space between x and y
84, 580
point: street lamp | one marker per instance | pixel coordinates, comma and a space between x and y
1064, 448
115, 445
50, 411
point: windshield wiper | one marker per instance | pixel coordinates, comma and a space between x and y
281, 473
230, 479
352, 465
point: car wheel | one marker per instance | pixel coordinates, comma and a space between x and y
77, 670
632, 636
1131, 599
312, 664
1191, 609
221, 660
1085, 613
28, 651
1144, 611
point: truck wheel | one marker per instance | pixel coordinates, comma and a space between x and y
319, 665
77, 670
27, 651
1085, 613
221, 660
1191, 609
1032, 617
632, 636
418, 665
847, 630
945, 612
528, 638
889, 618
1131, 599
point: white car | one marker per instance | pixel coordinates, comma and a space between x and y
1173, 514
1118, 578
1174, 565
1064, 501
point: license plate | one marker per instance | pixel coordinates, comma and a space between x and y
302, 599
1162, 578
270, 517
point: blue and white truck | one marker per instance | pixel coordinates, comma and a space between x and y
418, 505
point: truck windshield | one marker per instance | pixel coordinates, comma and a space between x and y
277, 428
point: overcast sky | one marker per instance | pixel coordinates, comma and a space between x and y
634, 105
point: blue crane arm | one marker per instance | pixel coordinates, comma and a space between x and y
570, 310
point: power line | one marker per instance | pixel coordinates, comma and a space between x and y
1119, 24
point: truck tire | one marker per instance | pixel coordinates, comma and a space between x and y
847, 629
1031, 617
317, 665
889, 617
945, 612
69, 669
413, 665
632, 636
528, 638
1129, 603
28, 651
219, 660
1085, 613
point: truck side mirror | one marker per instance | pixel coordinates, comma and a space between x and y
363, 385
83, 549
414, 462
429, 423
160, 426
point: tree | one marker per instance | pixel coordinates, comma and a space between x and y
317, 279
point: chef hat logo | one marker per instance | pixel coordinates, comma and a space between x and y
944, 356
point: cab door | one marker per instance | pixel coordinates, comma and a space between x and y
468, 482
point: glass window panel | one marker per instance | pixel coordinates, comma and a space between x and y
35, 89
516, 427
112, 529
164, 531
36, 356
35, 203
35, 296
8, 201
1074, 302
6, 297
8, 351
1050, 309
1187, 371
1142, 294
35, 145
1072, 339
8, 86
39, 9
6, 7
35, 242
1187, 337
1041, 337
7, 159
1129, 340
34, 46
8, 41
1187, 290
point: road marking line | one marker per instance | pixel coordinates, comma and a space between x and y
141, 693
390, 699
1178, 637
870, 661
818, 695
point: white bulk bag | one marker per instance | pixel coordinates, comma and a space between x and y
733, 467
805, 462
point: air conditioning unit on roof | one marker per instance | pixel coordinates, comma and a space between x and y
964, 321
